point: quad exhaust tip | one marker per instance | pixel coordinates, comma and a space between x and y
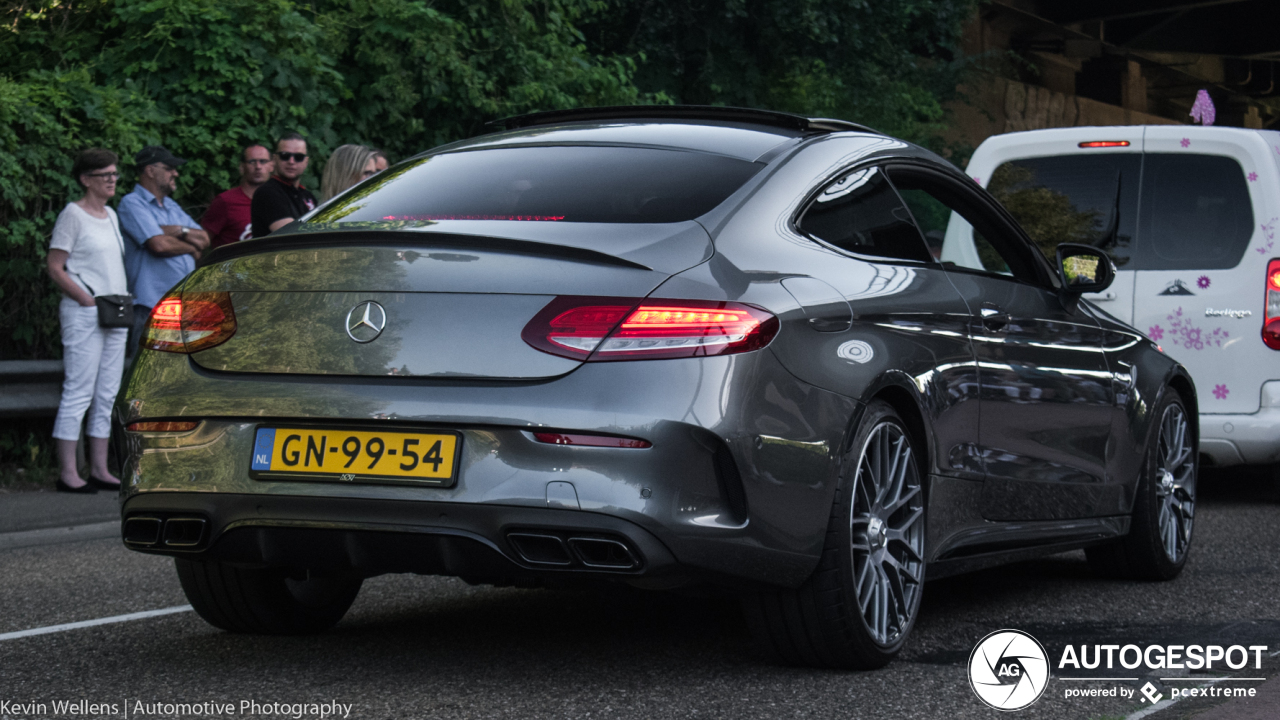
596, 553
174, 532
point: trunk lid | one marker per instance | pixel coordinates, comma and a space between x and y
450, 305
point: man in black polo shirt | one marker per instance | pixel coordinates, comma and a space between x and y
282, 199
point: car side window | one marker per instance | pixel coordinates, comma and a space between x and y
972, 236
861, 213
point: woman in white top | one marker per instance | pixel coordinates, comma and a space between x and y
86, 258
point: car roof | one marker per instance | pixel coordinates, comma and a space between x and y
741, 133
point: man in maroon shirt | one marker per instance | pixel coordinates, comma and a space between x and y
228, 218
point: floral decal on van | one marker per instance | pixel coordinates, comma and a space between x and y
1268, 230
1220, 392
1202, 282
1182, 332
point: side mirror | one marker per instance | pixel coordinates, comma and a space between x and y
1084, 269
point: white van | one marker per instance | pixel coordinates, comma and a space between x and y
1191, 216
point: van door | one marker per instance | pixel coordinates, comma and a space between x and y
1202, 253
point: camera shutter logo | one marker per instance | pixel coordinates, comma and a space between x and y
1009, 670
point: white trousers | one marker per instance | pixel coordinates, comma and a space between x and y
93, 361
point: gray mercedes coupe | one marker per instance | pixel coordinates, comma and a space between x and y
791, 358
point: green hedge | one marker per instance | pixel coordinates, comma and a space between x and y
204, 77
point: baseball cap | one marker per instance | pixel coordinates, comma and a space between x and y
157, 154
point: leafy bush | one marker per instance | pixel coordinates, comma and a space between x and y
205, 77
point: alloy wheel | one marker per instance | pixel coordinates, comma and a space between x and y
887, 534
1175, 483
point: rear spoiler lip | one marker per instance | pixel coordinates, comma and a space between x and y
402, 238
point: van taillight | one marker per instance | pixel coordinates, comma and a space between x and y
600, 329
190, 322
1271, 324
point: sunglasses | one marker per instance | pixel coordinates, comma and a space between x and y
107, 175
295, 157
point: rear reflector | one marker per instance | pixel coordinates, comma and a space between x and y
163, 426
1105, 143
600, 329
1271, 320
190, 322
555, 438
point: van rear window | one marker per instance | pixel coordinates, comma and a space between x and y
1151, 211
547, 184
1196, 213
1090, 199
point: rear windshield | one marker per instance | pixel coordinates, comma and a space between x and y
547, 184
1150, 212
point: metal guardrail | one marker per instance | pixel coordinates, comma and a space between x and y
30, 388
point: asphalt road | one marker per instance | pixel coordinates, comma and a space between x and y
416, 647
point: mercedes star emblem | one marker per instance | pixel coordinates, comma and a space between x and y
366, 321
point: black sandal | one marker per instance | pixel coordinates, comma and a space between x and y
85, 489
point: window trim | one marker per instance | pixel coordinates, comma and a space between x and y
811, 197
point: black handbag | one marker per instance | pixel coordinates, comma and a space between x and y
114, 311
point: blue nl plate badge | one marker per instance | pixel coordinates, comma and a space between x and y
262, 448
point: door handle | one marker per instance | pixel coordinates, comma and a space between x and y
993, 318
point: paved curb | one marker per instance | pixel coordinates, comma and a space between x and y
54, 536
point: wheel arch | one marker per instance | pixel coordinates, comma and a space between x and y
896, 389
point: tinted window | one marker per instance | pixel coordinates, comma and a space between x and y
569, 184
1196, 213
975, 236
1073, 199
861, 213
933, 217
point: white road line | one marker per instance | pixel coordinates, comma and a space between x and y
1153, 709
91, 623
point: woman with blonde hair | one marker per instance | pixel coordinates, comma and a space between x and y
347, 166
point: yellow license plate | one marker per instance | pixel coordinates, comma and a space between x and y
353, 455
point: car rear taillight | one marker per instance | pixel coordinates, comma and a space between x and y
1104, 143
190, 322
601, 329
1271, 323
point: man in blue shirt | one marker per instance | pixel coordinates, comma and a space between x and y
164, 240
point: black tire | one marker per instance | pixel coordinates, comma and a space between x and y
1163, 516
823, 623
265, 602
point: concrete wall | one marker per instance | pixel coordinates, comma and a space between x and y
1001, 106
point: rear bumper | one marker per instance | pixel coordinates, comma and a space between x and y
1251, 439
482, 543
737, 484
